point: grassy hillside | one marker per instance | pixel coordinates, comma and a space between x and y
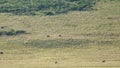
86, 39
48, 7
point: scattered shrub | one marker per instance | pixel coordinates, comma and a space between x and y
20, 32
12, 32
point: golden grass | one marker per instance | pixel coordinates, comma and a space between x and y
88, 38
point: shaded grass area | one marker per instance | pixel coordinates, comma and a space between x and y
102, 34
66, 57
63, 43
69, 43
58, 43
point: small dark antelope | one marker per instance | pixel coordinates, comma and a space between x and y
3, 27
1, 53
60, 35
103, 61
56, 62
48, 35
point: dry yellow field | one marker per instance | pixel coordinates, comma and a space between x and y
86, 39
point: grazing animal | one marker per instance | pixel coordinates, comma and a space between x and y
1, 53
103, 61
3, 27
48, 35
56, 62
60, 35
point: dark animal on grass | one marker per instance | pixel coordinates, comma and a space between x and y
3, 27
1, 53
48, 35
56, 62
60, 35
103, 61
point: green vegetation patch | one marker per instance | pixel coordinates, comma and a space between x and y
48, 7
9, 32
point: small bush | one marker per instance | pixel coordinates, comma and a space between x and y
20, 32
12, 32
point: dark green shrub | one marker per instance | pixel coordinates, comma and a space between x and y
12, 32
20, 32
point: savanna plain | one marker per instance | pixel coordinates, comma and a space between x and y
85, 39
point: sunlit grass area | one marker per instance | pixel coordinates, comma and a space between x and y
86, 39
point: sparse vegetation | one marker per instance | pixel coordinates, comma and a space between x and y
86, 39
12, 32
